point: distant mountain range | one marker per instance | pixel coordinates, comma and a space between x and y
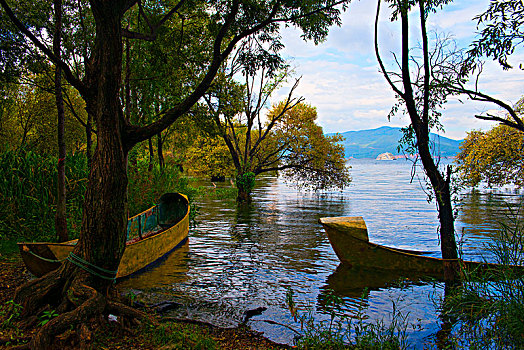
371, 143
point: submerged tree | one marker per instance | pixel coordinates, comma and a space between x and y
495, 157
75, 293
422, 96
285, 139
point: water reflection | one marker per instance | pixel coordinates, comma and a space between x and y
241, 258
173, 268
353, 282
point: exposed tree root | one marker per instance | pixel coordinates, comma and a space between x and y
95, 304
80, 308
35, 294
117, 308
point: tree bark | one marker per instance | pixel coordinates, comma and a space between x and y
440, 185
102, 238
160, 151
80, 294
60, 217
151, 154
89, 140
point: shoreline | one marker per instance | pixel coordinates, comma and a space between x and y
13, 274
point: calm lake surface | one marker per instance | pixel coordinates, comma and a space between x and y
239, 259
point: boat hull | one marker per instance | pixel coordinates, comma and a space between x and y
40, 257
348, 237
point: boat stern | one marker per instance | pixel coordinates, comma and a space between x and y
38, 258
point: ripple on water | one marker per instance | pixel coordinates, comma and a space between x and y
242, 258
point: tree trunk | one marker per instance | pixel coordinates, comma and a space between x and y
127, 84
245, 183
151, 154
60, 217
441, 189
89, 140
102, 239
74, 292
243, 195
420, 122
159, 150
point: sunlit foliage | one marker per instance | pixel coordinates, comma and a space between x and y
495, 157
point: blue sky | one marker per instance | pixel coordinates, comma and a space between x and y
340, 76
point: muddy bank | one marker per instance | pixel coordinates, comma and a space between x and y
164, 334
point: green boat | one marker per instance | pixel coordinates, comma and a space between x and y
150, 236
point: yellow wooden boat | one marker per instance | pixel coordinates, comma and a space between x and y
151, 235
349, 238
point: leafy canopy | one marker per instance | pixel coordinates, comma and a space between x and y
495, 157
309, 158
502, 31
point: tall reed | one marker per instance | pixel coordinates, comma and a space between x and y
147, 185
488, 308
28, 194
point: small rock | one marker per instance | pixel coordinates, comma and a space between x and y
253, 312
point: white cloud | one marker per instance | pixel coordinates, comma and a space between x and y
340, 77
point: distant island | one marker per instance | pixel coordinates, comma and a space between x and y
373, 142
385, 156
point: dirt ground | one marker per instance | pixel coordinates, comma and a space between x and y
13, 274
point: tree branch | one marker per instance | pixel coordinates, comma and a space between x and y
479, 96
71, 78
379, 59
134, 134
153, 28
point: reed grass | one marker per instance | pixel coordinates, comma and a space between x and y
28, 194
146, 186
488, 307
342, 332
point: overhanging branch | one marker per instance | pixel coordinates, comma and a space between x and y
71, 78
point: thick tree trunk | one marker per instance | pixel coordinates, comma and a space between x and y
89, 140
102, 240
76, 293
60, 217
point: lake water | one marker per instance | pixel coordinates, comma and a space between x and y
241, 258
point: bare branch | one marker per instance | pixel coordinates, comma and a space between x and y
379, 59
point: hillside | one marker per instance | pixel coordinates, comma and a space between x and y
370, 143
